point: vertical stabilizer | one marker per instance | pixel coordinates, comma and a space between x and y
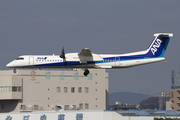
159, 45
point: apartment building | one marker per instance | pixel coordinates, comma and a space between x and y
175, 99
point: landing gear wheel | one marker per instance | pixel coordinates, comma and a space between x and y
14, 71
86, 72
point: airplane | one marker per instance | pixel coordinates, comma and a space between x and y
86, 59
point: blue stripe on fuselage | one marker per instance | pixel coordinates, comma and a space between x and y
159, 53
58, 64
106, 60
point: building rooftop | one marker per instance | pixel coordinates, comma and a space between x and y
149, 113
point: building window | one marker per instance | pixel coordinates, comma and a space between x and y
72, 89
2, 106
171, 95
73, 107
14, 89
5, 89
86, 106
19, 89
86, 90
23, 107
36, 107
66, 107
65, 89
79, 89
58, 90
1, 89
80, 105
9, 89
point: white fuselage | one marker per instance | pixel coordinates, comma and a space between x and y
74, 61
87, 59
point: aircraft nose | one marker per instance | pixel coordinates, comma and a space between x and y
9, 65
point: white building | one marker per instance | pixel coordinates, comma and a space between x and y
43, 90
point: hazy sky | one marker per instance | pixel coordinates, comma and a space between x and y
105, 26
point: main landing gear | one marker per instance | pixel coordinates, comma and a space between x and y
86, 72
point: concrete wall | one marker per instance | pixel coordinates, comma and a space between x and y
75, 115
168, 104
71, 115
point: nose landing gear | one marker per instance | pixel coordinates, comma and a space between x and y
14, 71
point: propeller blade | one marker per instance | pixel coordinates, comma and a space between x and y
63, 53
63, 56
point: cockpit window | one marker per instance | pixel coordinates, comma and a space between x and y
20, 58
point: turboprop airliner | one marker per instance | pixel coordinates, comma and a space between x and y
86, 59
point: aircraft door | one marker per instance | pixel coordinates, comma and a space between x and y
31, 61
117, 61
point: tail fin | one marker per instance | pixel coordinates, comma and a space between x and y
159, 45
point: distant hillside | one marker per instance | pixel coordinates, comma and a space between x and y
126, 97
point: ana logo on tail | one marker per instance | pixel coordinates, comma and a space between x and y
156, 45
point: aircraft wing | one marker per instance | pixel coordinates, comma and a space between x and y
85, 52
86, 55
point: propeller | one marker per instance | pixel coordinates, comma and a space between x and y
63, 56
